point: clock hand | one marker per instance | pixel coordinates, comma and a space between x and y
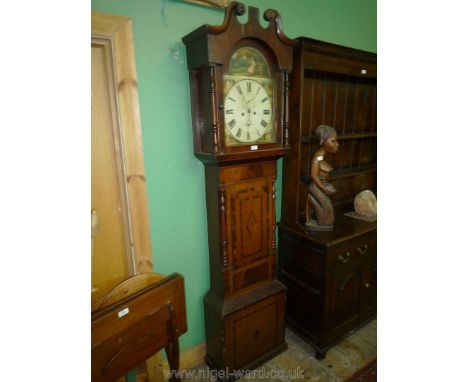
249, 122
242, 95
254, 105
246, 103
247, 108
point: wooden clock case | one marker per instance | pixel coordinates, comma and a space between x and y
331, 276
245, 306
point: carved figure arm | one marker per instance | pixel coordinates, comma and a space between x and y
314, 172
328, 189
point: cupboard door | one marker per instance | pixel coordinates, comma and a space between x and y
250, 211
346, 298
369, 288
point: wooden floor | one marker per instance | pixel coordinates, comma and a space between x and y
341, 361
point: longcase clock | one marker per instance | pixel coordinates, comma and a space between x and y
239, 91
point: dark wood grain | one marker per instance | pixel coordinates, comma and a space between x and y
331, 276
155, 318
331, 279
245, 306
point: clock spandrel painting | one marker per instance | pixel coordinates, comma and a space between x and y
248, 99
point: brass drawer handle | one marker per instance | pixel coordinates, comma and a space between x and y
363, 250
367, 285
344, 258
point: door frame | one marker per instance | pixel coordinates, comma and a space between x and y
118, 29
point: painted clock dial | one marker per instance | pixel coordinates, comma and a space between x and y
247, 111
248, 99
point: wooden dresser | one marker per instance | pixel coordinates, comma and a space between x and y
331, 276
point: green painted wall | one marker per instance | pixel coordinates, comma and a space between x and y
175, 178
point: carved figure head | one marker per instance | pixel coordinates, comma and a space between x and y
327, 137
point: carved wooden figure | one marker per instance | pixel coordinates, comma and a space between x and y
318, 201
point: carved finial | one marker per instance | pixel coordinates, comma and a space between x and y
269, 15
239, 8
272, 15
233, 9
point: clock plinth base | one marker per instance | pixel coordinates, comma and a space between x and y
246, 331
253, 365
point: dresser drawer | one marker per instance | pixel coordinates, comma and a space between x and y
353, 250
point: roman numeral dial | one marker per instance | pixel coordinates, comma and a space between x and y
248, 110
